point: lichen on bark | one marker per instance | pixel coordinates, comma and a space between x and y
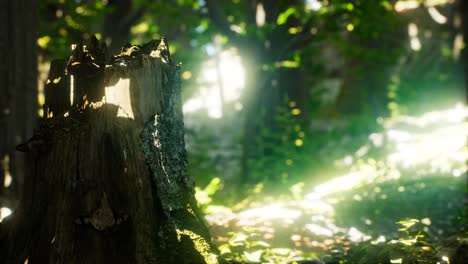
164, 150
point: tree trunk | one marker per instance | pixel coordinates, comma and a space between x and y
463, 11
110, 181
18, 92
464, 54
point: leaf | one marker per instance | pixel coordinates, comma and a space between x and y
225, 249
43, 41
407, 224
254, 256
213, 186
238, 239
283, 17
281, 251
261, 243
408, 242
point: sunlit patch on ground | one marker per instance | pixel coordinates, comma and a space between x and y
423, 160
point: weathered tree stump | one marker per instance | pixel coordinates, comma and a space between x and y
110, 181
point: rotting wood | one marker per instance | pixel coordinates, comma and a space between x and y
110, 181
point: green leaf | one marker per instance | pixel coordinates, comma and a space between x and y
43, 41
213, 186
254, 256
238, 239
283, 17
408, 223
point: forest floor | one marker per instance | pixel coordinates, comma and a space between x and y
406, 206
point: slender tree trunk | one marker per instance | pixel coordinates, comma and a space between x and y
18, 91
463, 11
118, 22
109, 179
262, 99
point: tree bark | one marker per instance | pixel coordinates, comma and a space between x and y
18, 90
109, 179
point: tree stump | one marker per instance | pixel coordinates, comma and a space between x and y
109, 170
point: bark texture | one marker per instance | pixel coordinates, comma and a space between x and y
110, 181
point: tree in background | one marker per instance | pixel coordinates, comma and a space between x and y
18, 89
285, 48
463, 12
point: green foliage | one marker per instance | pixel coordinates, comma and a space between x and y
280, 146
204, 196
67, 22
413, 246
247, 247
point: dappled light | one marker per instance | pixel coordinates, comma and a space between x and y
415, 147
207, 131
119, 95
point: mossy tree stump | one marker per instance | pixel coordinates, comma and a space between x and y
109, 177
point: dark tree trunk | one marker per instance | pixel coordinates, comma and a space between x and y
118, 22
371, 54
18, 91
110, 182
463, 11
262, 98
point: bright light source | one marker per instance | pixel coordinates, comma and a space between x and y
313, 5
355, 235
319, 230
72, 87
415, 44
7, 180
436, 15
4, 212
348, 160
376, 139
439, 147
225, 72
260, 15
398, 135
401, 6
413, 34
412, 30
270, 212
426, 221
192, 105
380, 239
